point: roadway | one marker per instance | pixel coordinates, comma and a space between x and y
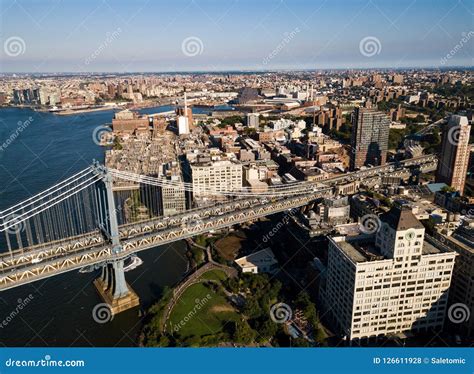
44, 260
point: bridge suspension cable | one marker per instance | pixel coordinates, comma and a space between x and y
270, 191
44, 194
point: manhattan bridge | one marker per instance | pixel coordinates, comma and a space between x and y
89, 220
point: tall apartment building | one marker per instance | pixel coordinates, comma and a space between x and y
211, 177
462, 290
369, 140
253, 120
396, 283
454, 158
173, 197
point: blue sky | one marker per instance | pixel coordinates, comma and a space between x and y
148, 35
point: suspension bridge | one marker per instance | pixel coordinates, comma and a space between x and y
90, 218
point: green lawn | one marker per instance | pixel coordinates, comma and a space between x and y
216, 275
200, 311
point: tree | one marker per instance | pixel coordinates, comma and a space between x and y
243, 333
252, 308
267, 330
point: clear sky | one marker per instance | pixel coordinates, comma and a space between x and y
183, 35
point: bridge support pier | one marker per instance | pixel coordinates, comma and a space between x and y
114, 290
111, 285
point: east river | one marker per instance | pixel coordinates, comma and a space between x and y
58, 311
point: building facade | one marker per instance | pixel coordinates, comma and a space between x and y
397, 283
462, 290
454, 158
369, 139
212, 177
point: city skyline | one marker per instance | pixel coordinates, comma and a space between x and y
237, 35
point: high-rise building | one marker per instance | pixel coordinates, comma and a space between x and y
455, 152
397, 283
462, 291
369, 140
172, 193
253, 120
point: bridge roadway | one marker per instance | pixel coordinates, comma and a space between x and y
44, 260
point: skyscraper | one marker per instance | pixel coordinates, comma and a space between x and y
369, 140
454, 158
397, 283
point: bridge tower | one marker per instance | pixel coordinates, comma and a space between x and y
111, 285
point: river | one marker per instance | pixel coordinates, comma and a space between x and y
36, 151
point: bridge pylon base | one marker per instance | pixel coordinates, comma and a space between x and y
120, 304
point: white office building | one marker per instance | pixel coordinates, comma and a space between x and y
395, 284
